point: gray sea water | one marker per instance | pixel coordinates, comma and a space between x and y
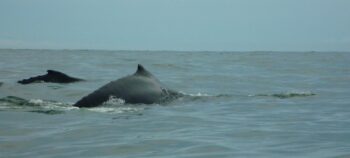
237, 104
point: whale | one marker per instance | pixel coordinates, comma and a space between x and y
142, 87
51, 76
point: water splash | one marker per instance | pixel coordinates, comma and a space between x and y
112, 100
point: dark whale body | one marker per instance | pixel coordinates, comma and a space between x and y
140, 88
51, 76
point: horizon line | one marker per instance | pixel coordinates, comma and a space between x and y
160, 50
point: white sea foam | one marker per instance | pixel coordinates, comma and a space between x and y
115, 110
199, 94
114, 101
51, 105
36, 101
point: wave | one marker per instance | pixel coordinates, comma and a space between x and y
113, 105
118, 106
34, 105
286, 95
172, 66
206, 97
192, 97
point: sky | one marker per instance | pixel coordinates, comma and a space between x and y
211, 25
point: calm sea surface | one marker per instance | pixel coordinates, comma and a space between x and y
237, 104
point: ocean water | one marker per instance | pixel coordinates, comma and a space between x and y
237, 104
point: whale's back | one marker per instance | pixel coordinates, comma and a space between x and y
132, 89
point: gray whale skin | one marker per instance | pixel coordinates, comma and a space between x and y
139, 88
51, 76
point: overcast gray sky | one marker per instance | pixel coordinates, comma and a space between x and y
231, 25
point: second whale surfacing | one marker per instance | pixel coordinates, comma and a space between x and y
139, 88
51, 76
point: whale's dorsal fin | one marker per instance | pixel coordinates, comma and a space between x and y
142, 71
53, 72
